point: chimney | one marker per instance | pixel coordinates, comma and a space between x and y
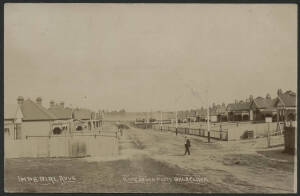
62, 104
39, 100
268, 96
20, 100
52, 103
279, 92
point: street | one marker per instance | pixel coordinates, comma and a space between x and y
154, 161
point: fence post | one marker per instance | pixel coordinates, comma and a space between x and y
208, 136
268, 138
227, 138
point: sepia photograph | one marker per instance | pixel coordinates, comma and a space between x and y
150, 98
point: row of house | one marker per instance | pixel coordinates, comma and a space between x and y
29, 118
281, 108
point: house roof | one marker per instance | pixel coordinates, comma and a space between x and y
241, 106
288, 99
201, 112
220, 109
263, 103
61, 112
81, 113
34, 111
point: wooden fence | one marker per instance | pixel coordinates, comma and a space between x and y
215, 134
76, 145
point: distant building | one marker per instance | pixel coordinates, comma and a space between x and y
260, 108
218, 113
201, 115
63, 115
27, 118
82, 116
12, 121
60, 111
238, 111
286, 106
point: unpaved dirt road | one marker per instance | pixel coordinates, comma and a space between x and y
226, 166
153, 161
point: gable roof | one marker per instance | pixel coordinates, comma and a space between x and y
288, 99
241, 106
263, 103
81, 113
61, 113
34, 111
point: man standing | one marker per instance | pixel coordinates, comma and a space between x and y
187, 146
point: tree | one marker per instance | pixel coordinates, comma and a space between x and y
268, 96
122, 111
250, 97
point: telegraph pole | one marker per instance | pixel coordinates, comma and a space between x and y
176, 119
176, 123
208, 123
161, 120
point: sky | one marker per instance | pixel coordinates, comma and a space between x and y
148, 57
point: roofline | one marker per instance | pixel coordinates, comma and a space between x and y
281, 101
38, 120
9, 118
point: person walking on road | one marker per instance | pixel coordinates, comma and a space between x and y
187, 146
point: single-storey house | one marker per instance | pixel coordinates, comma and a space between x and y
286, 106
260, 108
220, 113
29, 119
201, 115
93, 120
12, 121
213, 115
238, 111
63, 115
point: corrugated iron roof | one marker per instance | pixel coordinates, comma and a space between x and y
241, 106
288, 99
34, 111
60, 112
81, 113
263, 103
